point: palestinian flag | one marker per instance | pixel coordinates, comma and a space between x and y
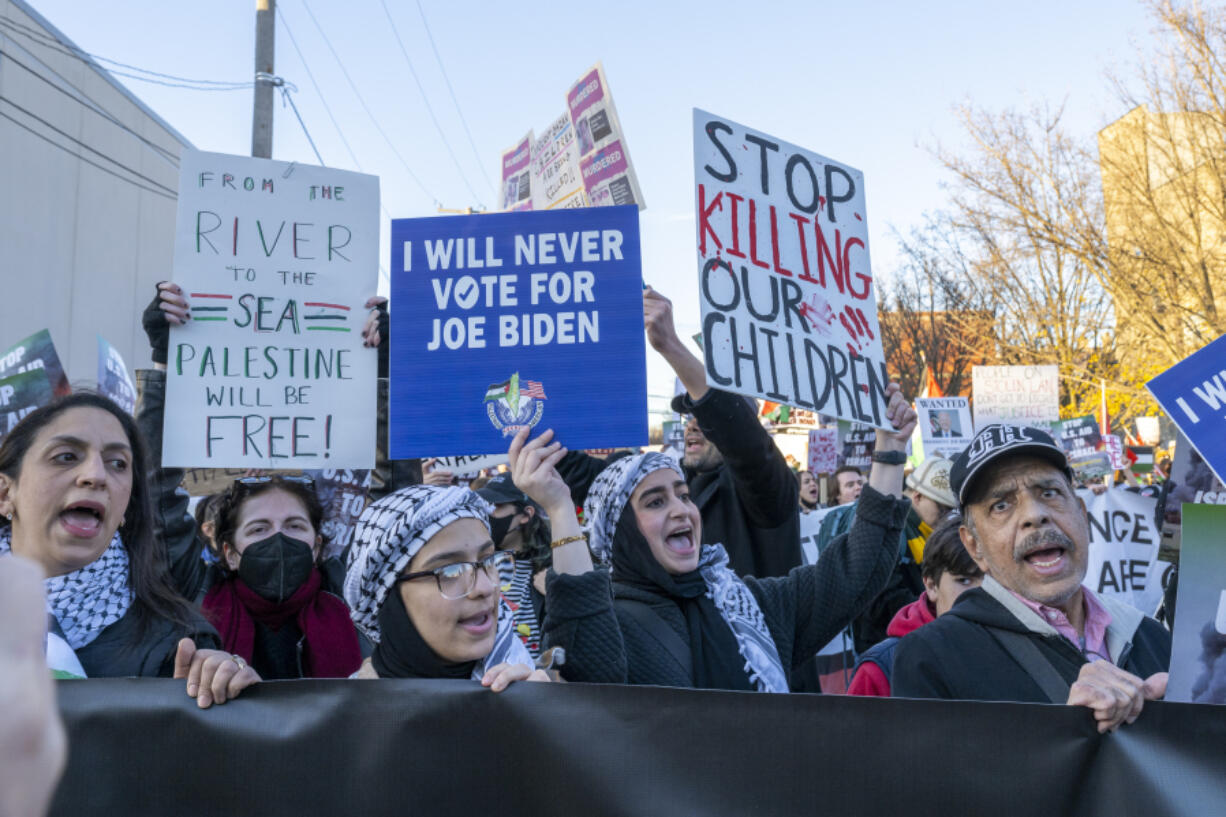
1140, 458
508, 390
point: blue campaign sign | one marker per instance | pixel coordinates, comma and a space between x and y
1193, 394
510, 319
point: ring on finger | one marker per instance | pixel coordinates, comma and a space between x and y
238, 659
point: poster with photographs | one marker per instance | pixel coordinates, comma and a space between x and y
944, 424
604, 159
556, 179
1198, 651
516, 190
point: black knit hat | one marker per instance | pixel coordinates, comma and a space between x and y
991, 443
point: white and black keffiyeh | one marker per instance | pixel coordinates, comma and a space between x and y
388, 536
88, 600
606, 501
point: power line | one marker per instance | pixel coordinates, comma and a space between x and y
79, 157
327, 109
366, 107
71, 50
425, 100
85, 101
456, 102
285, 97
93, 150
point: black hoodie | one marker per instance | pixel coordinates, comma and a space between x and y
957, 657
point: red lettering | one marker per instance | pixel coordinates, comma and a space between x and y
865, 280
779, 268
801, 221
735, 249
704, 219
753, 236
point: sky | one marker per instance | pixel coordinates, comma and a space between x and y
870, 84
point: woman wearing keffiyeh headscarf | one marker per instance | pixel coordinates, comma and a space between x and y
669, 611
422, 584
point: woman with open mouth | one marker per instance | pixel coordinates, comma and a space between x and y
75, 498
670, 611
422, 585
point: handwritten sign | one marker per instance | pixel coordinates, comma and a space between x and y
789, 311
516, 191
276, 261
1114, 446
1018, 395
604, 159
469, 467
823, 450
517, 319
113, 378
1193, 394
342, 494
36, 352
21, 394
556, 178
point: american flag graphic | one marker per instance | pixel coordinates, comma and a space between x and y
532, 389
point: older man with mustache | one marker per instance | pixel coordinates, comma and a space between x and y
1032, 632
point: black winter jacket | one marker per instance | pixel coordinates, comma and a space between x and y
122, 650
748, 503
803, 610
957, 657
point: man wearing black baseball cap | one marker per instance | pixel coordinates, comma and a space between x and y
1032, 632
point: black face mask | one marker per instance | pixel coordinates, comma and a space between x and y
274, 568
499, 528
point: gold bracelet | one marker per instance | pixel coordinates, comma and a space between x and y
566, 540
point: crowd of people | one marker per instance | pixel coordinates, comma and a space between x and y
961, 579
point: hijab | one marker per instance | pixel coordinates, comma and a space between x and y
730, 645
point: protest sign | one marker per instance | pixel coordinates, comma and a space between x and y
342, 494
945, 425
1114, 446
1082, 442
21, 394
1193, 394
468, 467
856, 444
1019, 395
516, 190
789, 312
823, 450
276, 261
1148, 430
517, 319
1123, 556
604, 160
556, 178
36, 352
113, 378
1198, 649
673, 432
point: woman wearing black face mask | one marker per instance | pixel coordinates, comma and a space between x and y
272, 609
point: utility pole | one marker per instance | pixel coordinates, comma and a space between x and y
261, 113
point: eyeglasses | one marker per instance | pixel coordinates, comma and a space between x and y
456, 580
294, 478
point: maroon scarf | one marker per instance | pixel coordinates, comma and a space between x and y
331, 642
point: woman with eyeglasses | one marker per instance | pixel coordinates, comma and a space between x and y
422, 584
273, 607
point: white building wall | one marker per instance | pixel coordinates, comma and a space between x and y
80, 248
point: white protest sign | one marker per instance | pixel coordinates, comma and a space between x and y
516, 190
1114, 447
789, 311
1123, 558
276, 261
556, 178
1018, 395
944, 424
604, 160
810, 526
469, 467
823, 450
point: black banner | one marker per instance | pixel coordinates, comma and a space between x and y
293, 748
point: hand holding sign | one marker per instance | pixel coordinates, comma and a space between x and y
213, 676
533, 471
901, 416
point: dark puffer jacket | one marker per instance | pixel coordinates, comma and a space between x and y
803, 611
748, 503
